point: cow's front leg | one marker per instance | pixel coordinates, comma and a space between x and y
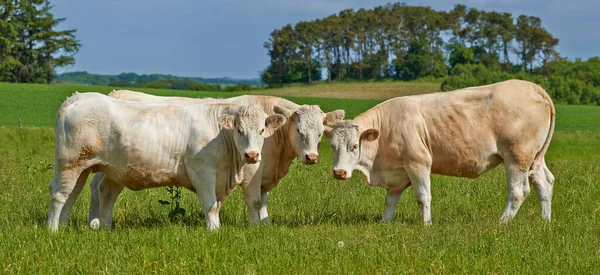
262, 213
210, 209
391, 201
204, 181
253, 201
421, 182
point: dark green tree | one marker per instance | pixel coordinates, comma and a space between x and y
460, 54
31, 47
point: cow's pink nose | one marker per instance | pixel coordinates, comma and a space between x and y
340, 174
252, 157
312, 158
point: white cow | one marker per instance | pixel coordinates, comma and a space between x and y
138, 145
463, 133
298, 137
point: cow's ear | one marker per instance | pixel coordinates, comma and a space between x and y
283, 111
369, 135
333, 117
227, 121
274, 121
328, 132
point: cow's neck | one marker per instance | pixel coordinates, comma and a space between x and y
286, 151
368, 149
236, 161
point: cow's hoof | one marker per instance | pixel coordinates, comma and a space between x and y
95, 224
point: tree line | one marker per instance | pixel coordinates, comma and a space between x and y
183, 84
405, 42
162, 81
571, 82
30, 46
402, 42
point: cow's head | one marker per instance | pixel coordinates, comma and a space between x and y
346, 140
248, 123
306, 129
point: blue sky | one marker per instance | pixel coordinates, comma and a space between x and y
215, 38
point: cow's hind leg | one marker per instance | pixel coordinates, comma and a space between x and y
108, 191
543, 181
94, 215
60, 189
518, 189
66, 209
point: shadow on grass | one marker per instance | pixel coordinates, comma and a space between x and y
196, 220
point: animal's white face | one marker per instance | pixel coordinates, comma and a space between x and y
306, 130
346, 140
249, 124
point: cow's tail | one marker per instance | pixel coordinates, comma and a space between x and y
537, 161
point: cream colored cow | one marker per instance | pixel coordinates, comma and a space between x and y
299, 137
463, 133
202, 147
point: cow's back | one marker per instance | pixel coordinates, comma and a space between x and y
138, 144
468, 131
267, 103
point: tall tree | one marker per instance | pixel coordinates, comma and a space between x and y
533, 41
57, 48
306, 40
31, 47
9, 43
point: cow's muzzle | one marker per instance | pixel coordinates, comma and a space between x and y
311, 158
252, 157
340, 174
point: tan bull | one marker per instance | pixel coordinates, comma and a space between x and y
463, 133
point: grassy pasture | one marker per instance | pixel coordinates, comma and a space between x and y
36, 104
371, 90
312, 214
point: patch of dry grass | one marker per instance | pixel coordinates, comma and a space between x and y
375, 90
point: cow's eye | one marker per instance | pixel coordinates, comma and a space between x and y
320, 134
240, 131
262, 131
354, 148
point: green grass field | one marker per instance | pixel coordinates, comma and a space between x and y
311, 213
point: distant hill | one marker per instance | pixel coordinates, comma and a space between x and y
107, 80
